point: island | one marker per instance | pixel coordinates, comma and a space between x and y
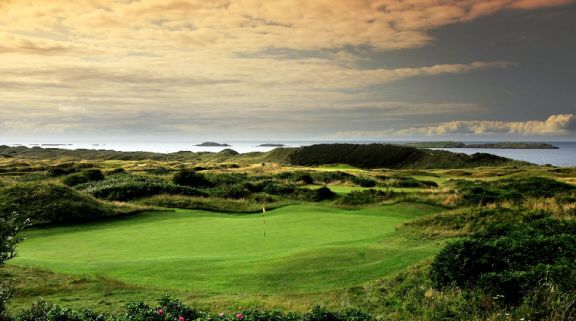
212, 144
499, 145
271, 145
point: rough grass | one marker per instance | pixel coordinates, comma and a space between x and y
212, 203
307, 249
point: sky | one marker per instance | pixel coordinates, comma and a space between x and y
288, 69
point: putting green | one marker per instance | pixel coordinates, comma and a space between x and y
299, 248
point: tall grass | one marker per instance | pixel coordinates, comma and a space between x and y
246, 205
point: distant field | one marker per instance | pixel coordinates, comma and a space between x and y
307, 248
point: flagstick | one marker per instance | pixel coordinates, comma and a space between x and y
264, 217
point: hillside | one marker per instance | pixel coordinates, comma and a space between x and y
357, 155
390, 156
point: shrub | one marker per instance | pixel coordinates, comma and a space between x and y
170, 309
191, 178
511, 259
312, 195
304, 178
219, 179
364, 197
10, 226
6, 292
93, 174
85, 176
303, 194
75, 179
50, 203
406, 181
124, 187
232, 191
243, 205
60, 171
331, 177
118, 170
279, 189
363, 181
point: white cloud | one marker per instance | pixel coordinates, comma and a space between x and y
557, 125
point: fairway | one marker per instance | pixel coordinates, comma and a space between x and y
296, 249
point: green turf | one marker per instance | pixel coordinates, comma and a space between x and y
306, 248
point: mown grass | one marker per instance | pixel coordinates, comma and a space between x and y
306, 249
342, 189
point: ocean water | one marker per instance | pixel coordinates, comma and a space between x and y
565, 156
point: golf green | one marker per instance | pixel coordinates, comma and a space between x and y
298, 248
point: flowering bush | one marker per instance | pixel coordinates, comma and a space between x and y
173, 310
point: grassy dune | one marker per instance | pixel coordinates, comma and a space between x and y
307, 248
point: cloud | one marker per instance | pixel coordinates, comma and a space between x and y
207, 60
555, 125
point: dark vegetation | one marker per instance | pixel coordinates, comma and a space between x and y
371, 156
10, 225
369, 196
85, 176
510, 260
405, 181
513, 190
124, 187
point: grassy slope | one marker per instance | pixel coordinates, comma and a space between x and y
308, 248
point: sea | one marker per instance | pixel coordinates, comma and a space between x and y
565, 156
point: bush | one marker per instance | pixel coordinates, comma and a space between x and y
85, 176
313, 195
233, 191
278, 189
331, 177
93, 174
304, 178
514, 190
406, 181
364, 197
6, 292
220, 179
10, 226
169, 309
75, 179
363, 181
214, 204
187, 177
50, 203
124, 187
511, 259
118, 170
